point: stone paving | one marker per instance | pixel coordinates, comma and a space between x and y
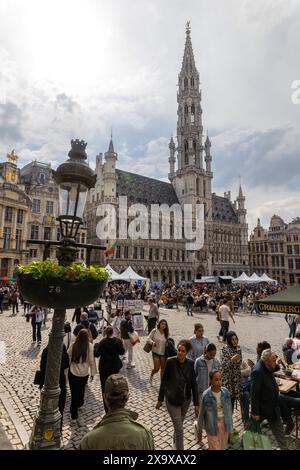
21, 396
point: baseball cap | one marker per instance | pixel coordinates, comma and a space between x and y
116, 386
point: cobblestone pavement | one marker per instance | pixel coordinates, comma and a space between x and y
19, 398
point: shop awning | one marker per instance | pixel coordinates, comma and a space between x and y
285, 301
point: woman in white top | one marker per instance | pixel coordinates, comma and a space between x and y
158, 339
82, 363
116, 324
37, 316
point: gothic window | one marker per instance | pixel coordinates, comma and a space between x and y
204, 188
197, 187
186, 114
192, 113
186, 84
186, 153
192, 82
195, 149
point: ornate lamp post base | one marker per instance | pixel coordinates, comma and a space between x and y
46, 433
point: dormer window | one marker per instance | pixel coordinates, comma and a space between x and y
42, 178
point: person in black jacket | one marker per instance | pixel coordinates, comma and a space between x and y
109, 349
85, 323
177, 385
126, 327
62, 377
265, 399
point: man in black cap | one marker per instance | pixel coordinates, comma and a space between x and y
118, 429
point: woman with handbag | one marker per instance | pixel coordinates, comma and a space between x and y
109, 349
158, 341
82, 363
177, 385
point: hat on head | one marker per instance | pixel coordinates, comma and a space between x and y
116, 386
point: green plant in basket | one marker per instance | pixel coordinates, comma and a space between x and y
47, 270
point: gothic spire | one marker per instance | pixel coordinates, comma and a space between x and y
111, 145
188, 61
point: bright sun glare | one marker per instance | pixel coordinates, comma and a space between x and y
66, 43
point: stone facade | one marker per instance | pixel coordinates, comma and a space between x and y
276, 250
14, 215
225, 250
29, 206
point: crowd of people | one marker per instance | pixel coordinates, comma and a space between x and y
215, 378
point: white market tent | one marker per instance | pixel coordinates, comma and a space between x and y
243, 278
254, 278
113, 274
129, 275
266, 278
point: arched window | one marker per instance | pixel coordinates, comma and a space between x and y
204, 188
192, 113
197, 187
195, 149
192, 82
186, 152
186, 83
186, 114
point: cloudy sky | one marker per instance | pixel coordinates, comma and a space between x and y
76, 68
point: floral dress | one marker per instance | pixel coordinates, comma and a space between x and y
231, 372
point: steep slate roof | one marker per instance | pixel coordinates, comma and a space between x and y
223, 210
144, 190
140, 189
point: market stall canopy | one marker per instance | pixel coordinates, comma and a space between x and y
205, 279
266, 278
254, 278
285, 301
242, 278
111, 271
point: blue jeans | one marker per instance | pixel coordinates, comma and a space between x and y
245, 400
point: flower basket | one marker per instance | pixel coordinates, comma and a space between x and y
48, 284
59, 293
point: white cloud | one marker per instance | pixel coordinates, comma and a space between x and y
73, 70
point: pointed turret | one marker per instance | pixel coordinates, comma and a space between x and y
208, 157
109, 172
111, 147
172, 159
188, 61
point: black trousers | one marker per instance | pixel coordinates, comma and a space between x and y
151, 324
224, 328
36, 331
77, 387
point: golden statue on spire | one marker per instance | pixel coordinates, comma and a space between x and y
12, 157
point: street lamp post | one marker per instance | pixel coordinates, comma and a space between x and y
74, 179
